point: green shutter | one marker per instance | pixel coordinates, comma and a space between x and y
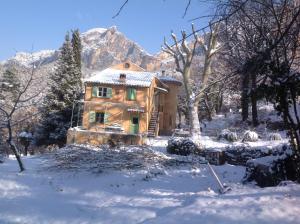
128, 93
92, 117
109, 92
131, 94
106, 116
95, 91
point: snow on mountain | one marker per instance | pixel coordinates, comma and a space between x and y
27, 59
101, 47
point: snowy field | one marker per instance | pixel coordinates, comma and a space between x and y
64, 187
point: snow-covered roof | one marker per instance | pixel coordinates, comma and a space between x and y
112, 76
169, 79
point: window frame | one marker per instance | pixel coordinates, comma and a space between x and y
102, 90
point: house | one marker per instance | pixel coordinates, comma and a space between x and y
126, 103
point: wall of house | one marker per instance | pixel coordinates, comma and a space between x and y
169, 113
117, 107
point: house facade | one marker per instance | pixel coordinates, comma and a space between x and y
126, 103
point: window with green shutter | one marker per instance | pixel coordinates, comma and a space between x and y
104, 92
131, 94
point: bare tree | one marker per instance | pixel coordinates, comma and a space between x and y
17, 95
265, 35
183, 54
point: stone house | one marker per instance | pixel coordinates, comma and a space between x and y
126, 103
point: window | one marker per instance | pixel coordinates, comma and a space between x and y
100, 117
126, 65
104, 92
131, 94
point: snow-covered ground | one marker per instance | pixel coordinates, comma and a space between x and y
54, 189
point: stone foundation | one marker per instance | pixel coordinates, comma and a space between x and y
78, 136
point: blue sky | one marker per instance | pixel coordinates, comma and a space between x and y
42, 24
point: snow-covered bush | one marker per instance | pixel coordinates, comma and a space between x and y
250, 136
228, 135
271, 170
182, 146
274, 137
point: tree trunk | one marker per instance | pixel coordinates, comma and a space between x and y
179, 118
14, 148
194, 120
208, 109
26, 150
245, 97
254, 100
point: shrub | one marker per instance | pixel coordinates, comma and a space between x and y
250, 136
274, 137
271, 170
182, 146
228, 135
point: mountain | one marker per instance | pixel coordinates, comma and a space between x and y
101, 49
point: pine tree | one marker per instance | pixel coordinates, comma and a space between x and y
77, 47
65, 89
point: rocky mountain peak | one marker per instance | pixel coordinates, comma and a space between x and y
101, 48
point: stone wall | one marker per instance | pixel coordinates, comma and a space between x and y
76, 136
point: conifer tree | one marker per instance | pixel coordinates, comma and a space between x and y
65, 89
77, 47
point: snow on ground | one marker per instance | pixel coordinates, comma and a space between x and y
151, 190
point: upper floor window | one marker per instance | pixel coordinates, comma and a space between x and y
131, 94
104, 92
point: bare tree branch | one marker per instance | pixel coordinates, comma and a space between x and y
120, 9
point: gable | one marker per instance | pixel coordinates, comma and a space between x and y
127, 66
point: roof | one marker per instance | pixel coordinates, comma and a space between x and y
112, 76
169, 79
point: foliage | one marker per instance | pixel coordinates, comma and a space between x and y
59, 104
250, 136
182, 146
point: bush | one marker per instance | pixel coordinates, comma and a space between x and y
182, 146
274, 137
271, 170
250, 136
228, 135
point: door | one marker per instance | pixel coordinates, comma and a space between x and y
134, 128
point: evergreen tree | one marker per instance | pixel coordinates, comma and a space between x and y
77, 47
58, 107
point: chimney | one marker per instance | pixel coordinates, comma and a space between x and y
122, 77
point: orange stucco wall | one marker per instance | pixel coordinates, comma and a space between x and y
117, 107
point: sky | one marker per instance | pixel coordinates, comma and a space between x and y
33, 25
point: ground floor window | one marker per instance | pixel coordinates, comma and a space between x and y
100, 117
